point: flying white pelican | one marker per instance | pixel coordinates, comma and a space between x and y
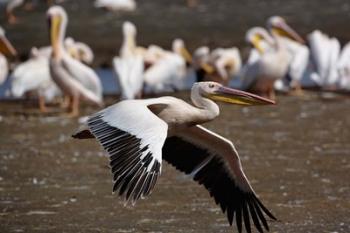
273, 63
116, 5
296, 47
138, 134
75, 79
6, 49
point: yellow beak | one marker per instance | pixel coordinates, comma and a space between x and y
285, 31
233, 96
256, 43
54, 25
209, 69
186, 55
6, 47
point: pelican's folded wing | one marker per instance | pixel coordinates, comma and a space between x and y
221, 173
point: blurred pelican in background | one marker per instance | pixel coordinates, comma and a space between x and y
325, 54
169, 70
116, 5
344, 68
6, 49
33, 76
220, 65
10, 7
79, 50
299, 52
129, 66
75, 79
13, 4
270, 64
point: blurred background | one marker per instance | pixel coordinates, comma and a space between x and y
213, 23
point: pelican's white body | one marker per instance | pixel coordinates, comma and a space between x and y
116, 5
3, 68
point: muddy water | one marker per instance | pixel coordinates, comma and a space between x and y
296, 154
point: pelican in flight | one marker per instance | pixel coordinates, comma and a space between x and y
75, 79
271, 64
138, 134
6, 49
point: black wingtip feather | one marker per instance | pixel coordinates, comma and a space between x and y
265, 209
131, 176
254, 217
246, 217
239, 219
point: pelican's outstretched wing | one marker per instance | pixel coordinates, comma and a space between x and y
134, 143
214, 162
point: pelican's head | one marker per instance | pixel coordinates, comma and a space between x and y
201, 57
129, 29
179, 48
57, 20
218, 92
278, 26
5, 46
258, 37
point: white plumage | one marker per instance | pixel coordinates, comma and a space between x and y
75, 79
116, 5
139, 134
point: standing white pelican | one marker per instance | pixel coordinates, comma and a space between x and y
220, 65
344, 68
169, 70
116, 5
325, 53
138, 134
129, 66
75, 79
296, 47
79, 50
260, 76
34, 74
6, 49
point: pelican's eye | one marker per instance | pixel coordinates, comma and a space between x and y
211, 85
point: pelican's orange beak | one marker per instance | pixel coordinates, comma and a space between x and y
284, 29
233, 96
6, 47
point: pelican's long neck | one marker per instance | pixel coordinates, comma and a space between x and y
129, 43
207, 109
57, 34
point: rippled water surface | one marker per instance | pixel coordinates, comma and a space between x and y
296, 154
